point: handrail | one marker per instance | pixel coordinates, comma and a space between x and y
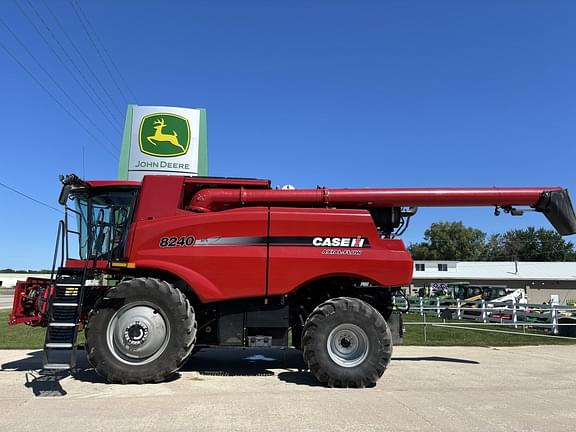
112, 233
66, 231
59, 237
114, 242
95, 239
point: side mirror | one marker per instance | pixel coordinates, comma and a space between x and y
63, 198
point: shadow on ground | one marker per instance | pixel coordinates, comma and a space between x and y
41, 383
287, 364
252, 362
243, 361
208, 362
32, 361
436, 359
47, 383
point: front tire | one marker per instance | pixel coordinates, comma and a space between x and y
346, 343
142, 331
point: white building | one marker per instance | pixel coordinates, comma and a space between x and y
540, 279
8, 280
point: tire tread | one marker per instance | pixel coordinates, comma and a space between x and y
320, 364
102, 360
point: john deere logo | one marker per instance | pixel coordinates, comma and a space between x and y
164, 135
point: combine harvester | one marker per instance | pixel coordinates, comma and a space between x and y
150, 269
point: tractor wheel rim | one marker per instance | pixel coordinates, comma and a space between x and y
348, 345
138, 333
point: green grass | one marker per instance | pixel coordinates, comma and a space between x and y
456, 336
20, 336
25, 337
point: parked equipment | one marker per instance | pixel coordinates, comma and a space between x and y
151, 269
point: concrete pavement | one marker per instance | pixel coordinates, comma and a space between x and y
425, 389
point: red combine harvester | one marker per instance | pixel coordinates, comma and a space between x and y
151, 269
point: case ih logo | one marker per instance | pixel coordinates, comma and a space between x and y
164, 135
353, 242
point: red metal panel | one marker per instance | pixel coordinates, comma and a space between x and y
30, 302
228, 255
219, 181
160, 196
385, 262
108, 183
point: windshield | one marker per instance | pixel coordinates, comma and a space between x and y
102, 219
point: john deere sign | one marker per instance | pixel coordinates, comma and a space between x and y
164, 135
163, 140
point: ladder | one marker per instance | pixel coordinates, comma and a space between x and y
65, 301
64, 309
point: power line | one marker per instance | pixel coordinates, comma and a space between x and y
65, 66
66, 110
86, 24
79, 53
71, 60
54, 81
30, 198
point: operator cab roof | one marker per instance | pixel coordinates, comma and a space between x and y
232, 181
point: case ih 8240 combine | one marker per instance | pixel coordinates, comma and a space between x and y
149, 269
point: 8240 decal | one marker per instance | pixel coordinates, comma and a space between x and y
184, 241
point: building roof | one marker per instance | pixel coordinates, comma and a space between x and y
499, 270
9, 279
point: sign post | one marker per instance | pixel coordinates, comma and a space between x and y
163, 140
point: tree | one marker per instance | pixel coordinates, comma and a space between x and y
450, 241
529, 244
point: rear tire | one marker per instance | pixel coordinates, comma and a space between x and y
142, 331
346, 343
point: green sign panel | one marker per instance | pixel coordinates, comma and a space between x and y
164, 135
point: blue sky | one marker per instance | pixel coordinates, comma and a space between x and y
334, 93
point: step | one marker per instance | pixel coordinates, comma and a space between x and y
58, 366
66, 285
65, 291
53, 345
66, 299
57, 334
65, 304
62, 324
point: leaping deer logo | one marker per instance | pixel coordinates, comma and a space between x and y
160, 136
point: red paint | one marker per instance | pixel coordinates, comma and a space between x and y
218, 199
253, 241
216, 272
233, 208
159, 196
26, 301
112, 183
385, 263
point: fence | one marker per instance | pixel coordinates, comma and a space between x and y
486, 312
